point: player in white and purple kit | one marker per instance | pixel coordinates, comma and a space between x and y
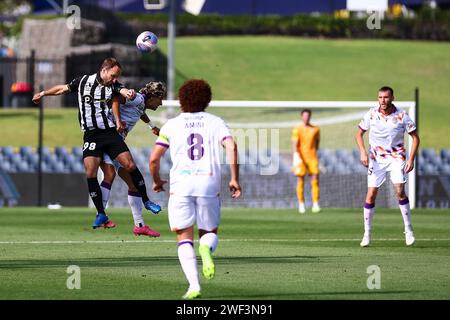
149, 97
387, 125
195, 138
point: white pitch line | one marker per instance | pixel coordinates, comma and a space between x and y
173, 241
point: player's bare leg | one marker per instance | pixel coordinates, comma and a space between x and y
403, 203
135, 202
369, 211
188, 261
126, 161
315, 190
91, 165
207, 245
301, 194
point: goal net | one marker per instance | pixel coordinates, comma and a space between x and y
262, 130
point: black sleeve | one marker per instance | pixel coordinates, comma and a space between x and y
73, 85
116, 87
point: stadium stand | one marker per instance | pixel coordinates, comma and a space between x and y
339, 161
266, 176
8, 192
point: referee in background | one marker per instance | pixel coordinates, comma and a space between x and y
101, 132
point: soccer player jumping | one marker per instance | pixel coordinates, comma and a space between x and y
387, 125
101, 130
149, 97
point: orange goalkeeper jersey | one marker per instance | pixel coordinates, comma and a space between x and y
308, 140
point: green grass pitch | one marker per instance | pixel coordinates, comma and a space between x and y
262, 254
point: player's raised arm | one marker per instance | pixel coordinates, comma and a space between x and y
130, 94
362, 149
231, 151
53, 91
147, 120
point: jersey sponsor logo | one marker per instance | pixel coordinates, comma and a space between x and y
87, 98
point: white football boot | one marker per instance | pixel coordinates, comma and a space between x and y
301, 207
409, 238
365, 240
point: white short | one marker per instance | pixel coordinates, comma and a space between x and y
376, 174
186, 211
107, 159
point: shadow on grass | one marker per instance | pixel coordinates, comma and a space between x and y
151, 261
304, 295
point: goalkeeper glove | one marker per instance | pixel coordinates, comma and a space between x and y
296, 160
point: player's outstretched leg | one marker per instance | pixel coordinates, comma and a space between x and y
139, 183
126, 161
207, 245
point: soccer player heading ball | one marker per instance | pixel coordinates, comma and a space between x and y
101, 132
194, 138
387, 125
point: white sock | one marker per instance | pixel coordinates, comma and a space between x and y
188, 261
210, 239
135, 201
369, 211
406, 214
106, 190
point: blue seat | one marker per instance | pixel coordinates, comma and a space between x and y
429, 168
76, 167
445, 155
445, 169
59, 168
77, 151
8, 152
429, 153
342, 154
26, 151
23, 167
5, 165
61, 152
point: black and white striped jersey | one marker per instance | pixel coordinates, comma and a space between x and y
94, 101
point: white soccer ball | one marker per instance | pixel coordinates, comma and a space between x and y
147, 42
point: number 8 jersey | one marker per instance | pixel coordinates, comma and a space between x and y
195, 141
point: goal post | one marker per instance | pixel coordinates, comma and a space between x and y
362, 106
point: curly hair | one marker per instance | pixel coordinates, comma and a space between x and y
194, 95
154, 89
